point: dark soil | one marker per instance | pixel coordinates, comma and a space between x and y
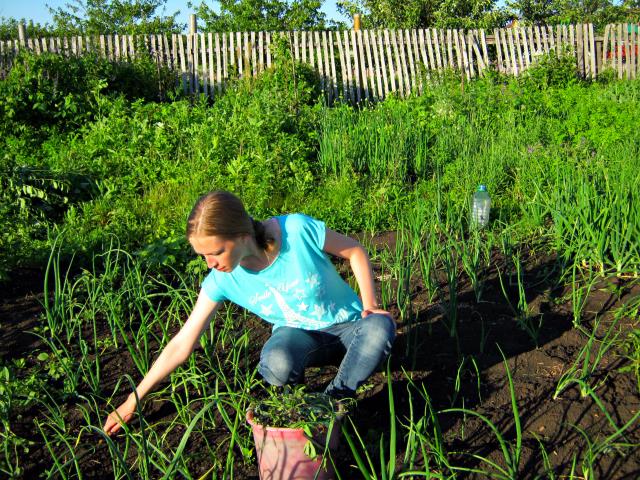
432, 358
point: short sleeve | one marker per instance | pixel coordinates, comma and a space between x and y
311, 231
212, 289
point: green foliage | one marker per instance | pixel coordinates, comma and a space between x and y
261, 15
551, 70
18, 391
293, 407
598, 12
486, 13
52, 90
122, 17
420, 14
9, 28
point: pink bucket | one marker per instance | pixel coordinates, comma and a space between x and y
281, 456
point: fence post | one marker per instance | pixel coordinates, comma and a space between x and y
356, 22
22, 34
193, 24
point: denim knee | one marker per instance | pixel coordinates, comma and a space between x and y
277, 367
381, 332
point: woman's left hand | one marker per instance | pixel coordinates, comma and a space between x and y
365, 313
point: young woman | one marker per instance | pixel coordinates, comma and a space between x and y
278, 270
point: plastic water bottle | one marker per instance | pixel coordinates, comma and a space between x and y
480, 207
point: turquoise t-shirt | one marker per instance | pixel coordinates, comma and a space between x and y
301, 288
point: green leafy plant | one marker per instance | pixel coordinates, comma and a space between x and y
294, 407
312, 412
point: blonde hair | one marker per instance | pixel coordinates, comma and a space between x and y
222, 214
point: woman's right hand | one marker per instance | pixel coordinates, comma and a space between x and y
121, 415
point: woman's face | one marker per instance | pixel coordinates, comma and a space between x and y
223, 254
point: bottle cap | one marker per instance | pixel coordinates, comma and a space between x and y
482, 188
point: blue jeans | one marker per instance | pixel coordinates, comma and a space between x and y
364, 344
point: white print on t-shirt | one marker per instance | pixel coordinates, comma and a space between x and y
291, 317
312, 280
341, 315
285, 287
281, 287
259, 297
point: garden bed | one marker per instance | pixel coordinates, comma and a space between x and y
426, 355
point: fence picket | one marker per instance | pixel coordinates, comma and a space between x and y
627, 48
394, 60
560, 39
417, 60
153, 48
370, 66
619, 49
591, 47
532, 44
218, 63
525, 46
473, 49
160, 55
539, 46
404, 68
512, 53
460, 63
502, 39
518, 47
580, 50
254, 54
324, 60
499, 58
350, 70
212, 77
116, 47
431, 65
363, 66
436, 45
268, 48
353, 54
224, 57
321, 70
343, 69
312, 61
201, 63
261, 65
383, 63
376, 64
407, 52
605, 45
241, 45
633, 53
194, 77
231, 55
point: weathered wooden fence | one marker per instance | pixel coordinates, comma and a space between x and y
357, 64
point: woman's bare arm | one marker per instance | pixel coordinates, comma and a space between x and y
346, 247
174, 354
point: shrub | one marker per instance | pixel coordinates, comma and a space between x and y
50, 90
